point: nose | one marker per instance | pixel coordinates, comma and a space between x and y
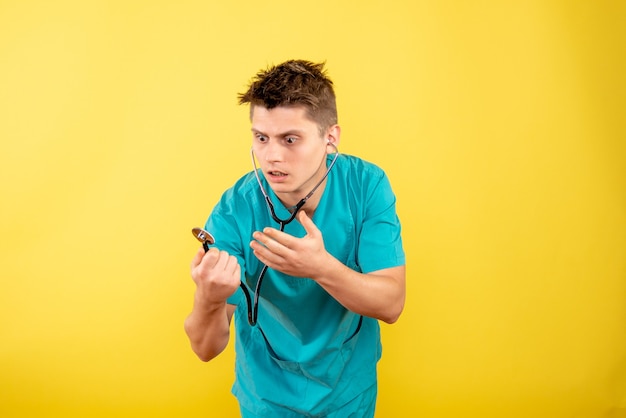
273, 151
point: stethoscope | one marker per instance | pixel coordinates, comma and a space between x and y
207, 239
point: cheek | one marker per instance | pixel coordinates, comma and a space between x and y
256, 154
313, 159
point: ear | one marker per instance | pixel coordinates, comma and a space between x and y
332, 137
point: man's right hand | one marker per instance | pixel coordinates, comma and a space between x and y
217, 275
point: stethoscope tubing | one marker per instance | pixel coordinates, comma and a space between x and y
253, 306
207, 239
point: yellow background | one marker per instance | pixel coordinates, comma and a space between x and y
500, 124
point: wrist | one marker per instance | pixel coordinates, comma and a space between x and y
326, 269
207, 305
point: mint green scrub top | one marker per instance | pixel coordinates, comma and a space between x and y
307, 354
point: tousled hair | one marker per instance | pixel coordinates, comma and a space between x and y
295, 83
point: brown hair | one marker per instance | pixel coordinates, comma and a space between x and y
295, 83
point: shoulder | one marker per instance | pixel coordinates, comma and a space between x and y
354, 163
242, 189
353, 168
359, 176
233, 213
243, 194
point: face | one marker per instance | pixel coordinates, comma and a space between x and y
290, 150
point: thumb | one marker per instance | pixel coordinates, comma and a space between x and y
307, 223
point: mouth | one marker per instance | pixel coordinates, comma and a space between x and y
276, 174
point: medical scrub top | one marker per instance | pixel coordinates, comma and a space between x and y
308, 354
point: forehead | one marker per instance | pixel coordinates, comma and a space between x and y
281, 118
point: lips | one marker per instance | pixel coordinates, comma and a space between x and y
276, 176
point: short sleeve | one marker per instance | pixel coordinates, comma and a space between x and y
380, 240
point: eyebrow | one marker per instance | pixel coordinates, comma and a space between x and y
282, 134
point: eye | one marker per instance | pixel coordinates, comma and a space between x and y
291, 139
260, 138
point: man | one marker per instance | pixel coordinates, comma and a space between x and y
332, 272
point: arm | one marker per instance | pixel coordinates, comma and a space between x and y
378, 294
217, 276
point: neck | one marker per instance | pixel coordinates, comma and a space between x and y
310, 205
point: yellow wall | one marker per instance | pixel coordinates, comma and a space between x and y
501, 125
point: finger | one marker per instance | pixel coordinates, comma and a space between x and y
261, 243
269, 238
209, 259
197, 258
221, 261
263, 253
232, 265
307, 223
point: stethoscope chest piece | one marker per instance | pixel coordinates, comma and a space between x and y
204, 237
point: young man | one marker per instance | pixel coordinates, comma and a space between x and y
332, 272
